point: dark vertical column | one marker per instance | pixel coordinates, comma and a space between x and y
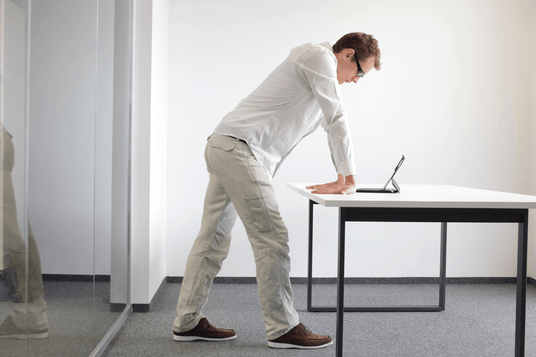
443, 266
310, 261
340, 281
521, 297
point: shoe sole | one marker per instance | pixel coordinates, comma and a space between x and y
289, 345
199, 338
27, 337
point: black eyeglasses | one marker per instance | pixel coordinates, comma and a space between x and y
360, 72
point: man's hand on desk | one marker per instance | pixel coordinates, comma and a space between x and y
344, 185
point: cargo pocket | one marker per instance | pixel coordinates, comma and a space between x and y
259, 213
223, 144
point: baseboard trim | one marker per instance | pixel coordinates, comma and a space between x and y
147, 307
296, 280
77, 278
414, 280
220, 280
73, 277
117, 307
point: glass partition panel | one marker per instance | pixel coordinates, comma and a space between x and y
64, 104
23, 310
61, 170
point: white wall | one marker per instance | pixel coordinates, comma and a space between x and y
159, 103
104, 138
62, 134
149, 121
122, 95
70, 167
532, 232
141, 135
453, 95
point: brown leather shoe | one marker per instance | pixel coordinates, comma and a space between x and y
206, 332
300, 337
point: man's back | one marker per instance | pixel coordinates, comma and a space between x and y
288, 105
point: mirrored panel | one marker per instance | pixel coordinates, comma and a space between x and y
64, 150
23, 308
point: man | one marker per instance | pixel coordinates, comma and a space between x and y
21, 268
243, 154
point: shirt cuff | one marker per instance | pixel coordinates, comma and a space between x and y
346, 168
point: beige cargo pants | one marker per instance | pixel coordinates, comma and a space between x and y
239, 184
21, 264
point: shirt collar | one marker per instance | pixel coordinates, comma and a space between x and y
327, 45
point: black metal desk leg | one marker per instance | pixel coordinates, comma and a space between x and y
521, 294
443, 266
340, 282
310, 259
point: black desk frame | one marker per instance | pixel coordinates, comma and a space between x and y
438, 215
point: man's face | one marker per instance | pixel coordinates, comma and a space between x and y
347, 70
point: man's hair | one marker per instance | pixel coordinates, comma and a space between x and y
364, 45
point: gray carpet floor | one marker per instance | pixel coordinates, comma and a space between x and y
78, 314
479, 321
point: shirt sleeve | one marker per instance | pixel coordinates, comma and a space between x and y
320, 71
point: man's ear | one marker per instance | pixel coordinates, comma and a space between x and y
348, 52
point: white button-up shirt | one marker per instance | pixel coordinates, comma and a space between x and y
298, 96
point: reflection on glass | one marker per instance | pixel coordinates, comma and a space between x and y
64, 93
23, 310
24, 289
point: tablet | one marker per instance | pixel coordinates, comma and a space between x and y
384, 189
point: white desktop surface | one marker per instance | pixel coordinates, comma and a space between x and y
423, 196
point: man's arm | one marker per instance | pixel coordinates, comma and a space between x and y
344, 185
320, 71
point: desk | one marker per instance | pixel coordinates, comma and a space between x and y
431, 203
